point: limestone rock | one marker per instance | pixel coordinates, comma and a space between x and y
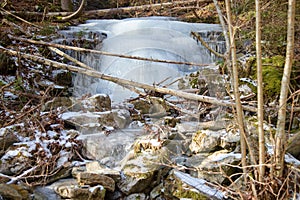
96, 167
209, 169
139, 196
82, 192
57, 102
92, 179
141, 169
205, 141
95, 103
71, 190
7, 137
12, 191
62, 77
98, 146
90, 122
122, 118
181, 185
294, 145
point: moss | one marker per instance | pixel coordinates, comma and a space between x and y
272, 74
182, 191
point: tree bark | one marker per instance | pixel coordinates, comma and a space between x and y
280, 138
260, 99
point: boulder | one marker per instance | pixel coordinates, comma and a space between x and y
205, 141
13, 191
219, 165
69, 189
8, 136
141, 170
95, 103
139, 196
98, 146
93, 179
179, 185
294, 145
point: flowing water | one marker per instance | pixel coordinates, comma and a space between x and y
153, 37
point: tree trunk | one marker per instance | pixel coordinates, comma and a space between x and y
260, 100
239, 111
280, 138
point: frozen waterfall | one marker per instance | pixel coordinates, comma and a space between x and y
153, 37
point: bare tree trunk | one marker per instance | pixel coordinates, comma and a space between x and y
239, 111
280, 138
260, 100
235, 77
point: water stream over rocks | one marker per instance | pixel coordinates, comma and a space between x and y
145, 148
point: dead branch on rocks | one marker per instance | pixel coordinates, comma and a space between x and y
114, 11
121, 81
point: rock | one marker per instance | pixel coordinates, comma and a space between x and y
209, 169
187, 127
71, 190
62, 77
98, 146
141, 170
13, 191
177, 147
181, 185
122, 118
157, 191
96, 167
294, 145
90, 122
137, 196
8, 136
92, 179
205, 141
45, 193
15, 161
57, 102
95, 103
82, 192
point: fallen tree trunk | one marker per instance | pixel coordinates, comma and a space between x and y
125, 82
115, 11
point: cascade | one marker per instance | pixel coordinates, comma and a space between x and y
161, 38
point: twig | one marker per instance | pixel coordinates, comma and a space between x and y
105, 53
121, 81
